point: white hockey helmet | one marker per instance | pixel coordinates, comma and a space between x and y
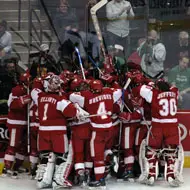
44, 47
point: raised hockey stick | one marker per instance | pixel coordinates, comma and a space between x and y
93, 62
93, 11
80, 61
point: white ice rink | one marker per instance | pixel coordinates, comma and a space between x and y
27, 184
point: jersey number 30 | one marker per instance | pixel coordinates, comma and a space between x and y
168, 107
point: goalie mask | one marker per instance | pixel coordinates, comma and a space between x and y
54, 84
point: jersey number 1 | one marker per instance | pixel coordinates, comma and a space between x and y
45, 112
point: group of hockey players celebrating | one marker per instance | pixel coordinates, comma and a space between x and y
79, 130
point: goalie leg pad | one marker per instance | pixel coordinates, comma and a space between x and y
63, 168
174, 165
45, 171
148, 164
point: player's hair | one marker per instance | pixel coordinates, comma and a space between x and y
163, 86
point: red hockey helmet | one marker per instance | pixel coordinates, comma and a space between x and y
68, 74
96, 86
107, 78
37, 83
75, 84
138, 78
25, 78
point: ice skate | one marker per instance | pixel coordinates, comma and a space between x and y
101, 184
6, 173
128, 176
14, 175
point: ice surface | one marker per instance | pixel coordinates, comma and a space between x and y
26, 184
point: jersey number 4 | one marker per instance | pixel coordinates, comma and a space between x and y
45, 112
169, 107
102, 110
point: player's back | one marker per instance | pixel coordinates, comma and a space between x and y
49, 116
100, 103
164, 106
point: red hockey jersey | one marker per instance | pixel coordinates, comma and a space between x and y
17, 115
100, 104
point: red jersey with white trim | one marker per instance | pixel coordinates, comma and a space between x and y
98, 103
163, 104
17, 115
53, 110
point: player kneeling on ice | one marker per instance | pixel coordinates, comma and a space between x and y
163, 131
53, 109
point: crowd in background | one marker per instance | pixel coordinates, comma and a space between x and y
158, 54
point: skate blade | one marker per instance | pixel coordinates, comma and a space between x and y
98, 188
131, 180
120, 180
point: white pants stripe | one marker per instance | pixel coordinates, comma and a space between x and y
13, 137
92, 149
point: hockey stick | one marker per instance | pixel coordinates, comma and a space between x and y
28, 122
93, 11
95, 65
124, 88
93, 115
80, 61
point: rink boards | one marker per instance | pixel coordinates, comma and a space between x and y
184, 124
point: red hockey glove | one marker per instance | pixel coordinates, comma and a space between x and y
125, 116
25, 99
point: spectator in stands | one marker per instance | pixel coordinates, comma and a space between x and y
66, 25
44, 63
8, 79
153, 54
178, 49
134, 57
65, 19
118, 12
5, 41
180, 77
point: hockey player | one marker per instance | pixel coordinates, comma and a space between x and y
164, 130
81, 134
53, 110
129, 127
16, 123
34, 126
98, 102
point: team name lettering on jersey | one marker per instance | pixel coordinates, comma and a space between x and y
166, 94
100, 98
48, 99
